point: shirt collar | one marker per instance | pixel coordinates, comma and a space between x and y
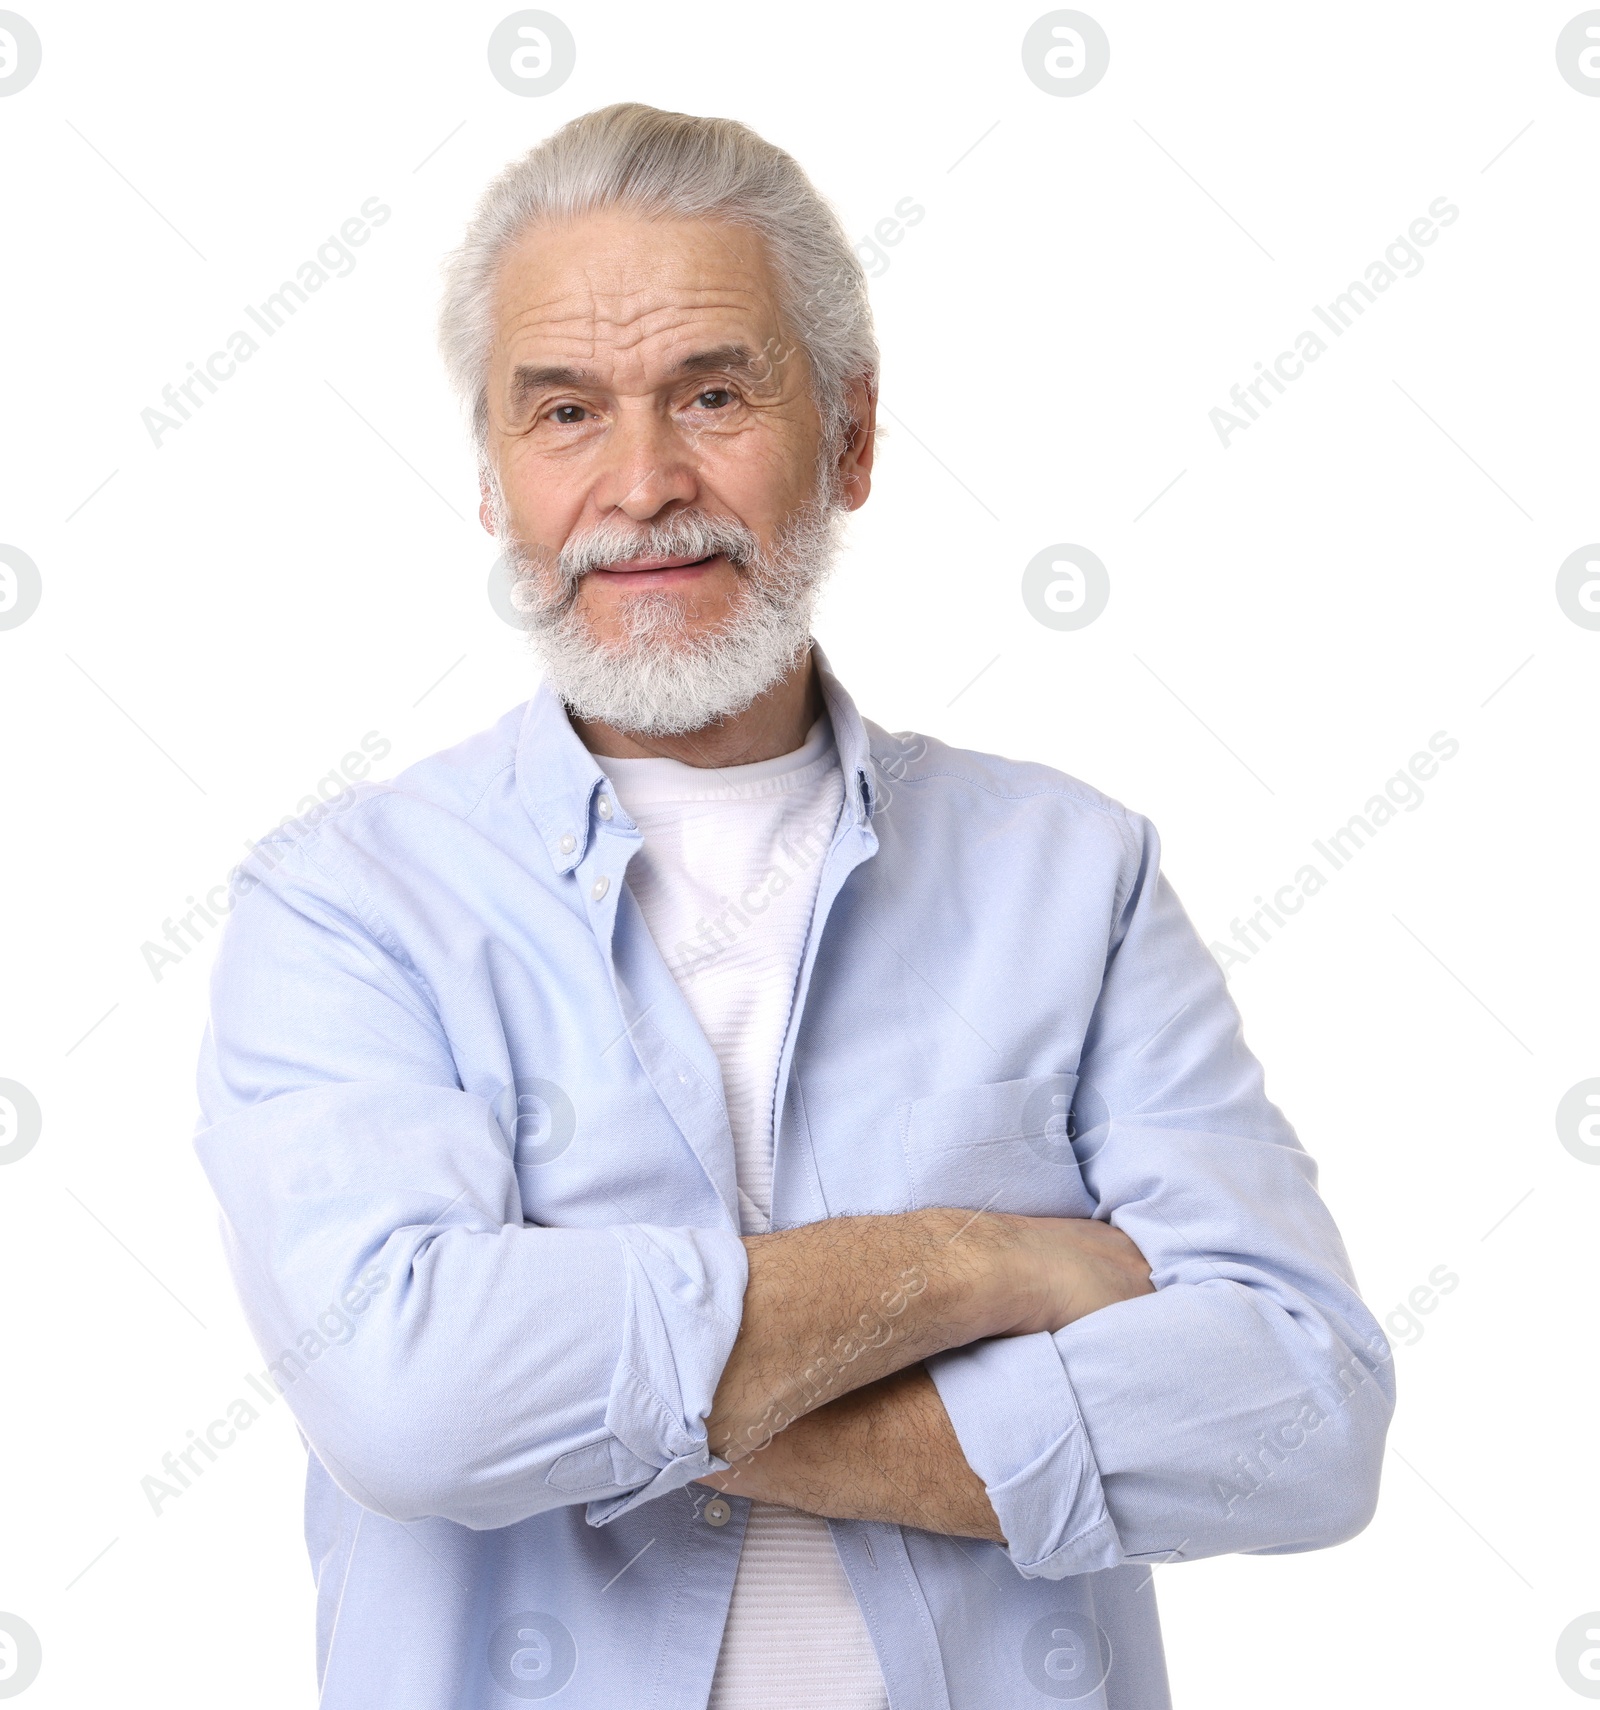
849, 737
558, 778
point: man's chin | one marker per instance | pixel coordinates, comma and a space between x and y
663, 675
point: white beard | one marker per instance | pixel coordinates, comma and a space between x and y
662, 678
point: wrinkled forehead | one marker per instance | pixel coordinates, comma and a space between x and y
628, 299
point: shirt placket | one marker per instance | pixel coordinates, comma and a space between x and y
655, 1015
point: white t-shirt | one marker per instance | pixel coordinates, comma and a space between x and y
727, 883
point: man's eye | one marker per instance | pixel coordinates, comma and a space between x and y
568, 415
714, 398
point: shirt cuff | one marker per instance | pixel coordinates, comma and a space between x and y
1017, 1420
685, 1304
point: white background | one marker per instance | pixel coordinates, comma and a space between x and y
1368, 564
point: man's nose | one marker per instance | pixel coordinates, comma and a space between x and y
646, 464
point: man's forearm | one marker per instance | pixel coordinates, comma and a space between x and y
835, 1305
884, 1452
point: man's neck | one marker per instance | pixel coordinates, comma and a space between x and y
775, 723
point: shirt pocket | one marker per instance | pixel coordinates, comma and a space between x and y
1005, 1146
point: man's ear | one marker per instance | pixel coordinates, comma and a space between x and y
485, 505
855, 461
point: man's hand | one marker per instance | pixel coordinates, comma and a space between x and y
885, 1452
1077, 1265
839, 1304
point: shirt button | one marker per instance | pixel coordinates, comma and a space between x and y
603, 807
601, 886
568, 844
717, 1512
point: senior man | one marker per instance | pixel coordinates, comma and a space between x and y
745, 1209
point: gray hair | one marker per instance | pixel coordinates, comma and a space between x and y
656, 163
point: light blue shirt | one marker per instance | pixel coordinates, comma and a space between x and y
477, 1185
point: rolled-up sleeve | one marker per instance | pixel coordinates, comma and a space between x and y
442, 1356
1243, 1405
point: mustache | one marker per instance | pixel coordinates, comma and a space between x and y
687, 534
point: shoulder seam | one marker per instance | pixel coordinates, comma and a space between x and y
367, 912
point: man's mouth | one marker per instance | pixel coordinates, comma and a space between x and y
658, 571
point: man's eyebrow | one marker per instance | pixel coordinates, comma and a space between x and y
526, 379
733, 357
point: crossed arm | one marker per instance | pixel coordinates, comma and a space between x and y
823, 1404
